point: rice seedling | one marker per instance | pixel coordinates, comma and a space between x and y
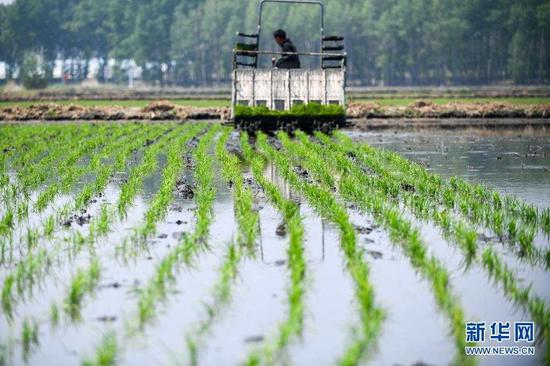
84, 282
6, 223
327, 206
106, 352
310, 110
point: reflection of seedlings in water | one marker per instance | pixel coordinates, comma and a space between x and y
294, 323
84, 282
54, 314
29, 336
106, 352
7, 291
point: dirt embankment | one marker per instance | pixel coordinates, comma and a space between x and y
427, 109
165, 110
161, 110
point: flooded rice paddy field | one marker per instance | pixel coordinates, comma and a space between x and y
194, 244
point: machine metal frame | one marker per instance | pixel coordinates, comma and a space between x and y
280, 89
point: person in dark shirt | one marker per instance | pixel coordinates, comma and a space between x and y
286, 61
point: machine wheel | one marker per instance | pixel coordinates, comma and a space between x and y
327, 127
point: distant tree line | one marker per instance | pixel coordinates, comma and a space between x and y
189, 42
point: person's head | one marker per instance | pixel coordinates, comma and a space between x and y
280, 36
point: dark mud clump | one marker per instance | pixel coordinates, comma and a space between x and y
302, 172
185, 189
281, 229
375, 254
408, 187
364, 230
80, 219
254, 339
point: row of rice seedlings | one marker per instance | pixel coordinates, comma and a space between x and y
69, 171
103, 172
30, 144
156, 140
327, 206
294, 323
38, 153
140, 234
521, 296
248, 219
22, 278
102, 176
37, 174
172, 171
135, 179
34, 265
401, 231
247, 216
422, 200
84, 282
508, 217
205, 193
15, 139
106, 352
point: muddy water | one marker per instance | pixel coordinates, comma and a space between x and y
513, 164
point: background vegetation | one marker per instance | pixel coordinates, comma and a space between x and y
390, 42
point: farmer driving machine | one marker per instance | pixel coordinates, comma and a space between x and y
270, 99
